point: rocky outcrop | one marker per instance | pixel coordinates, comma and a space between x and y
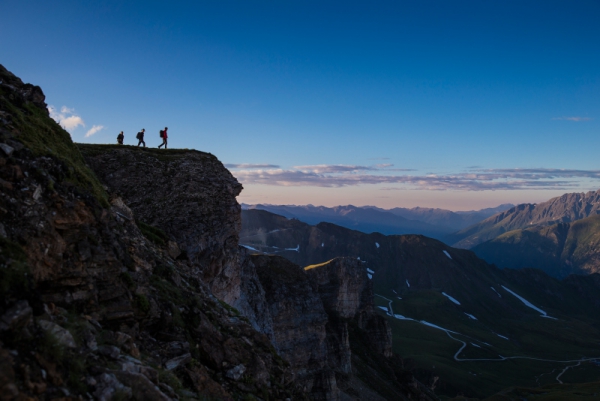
187, 194
299, 320
94, 301
347, 293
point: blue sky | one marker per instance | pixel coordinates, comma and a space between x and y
458, 105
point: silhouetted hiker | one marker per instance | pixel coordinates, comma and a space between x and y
120, 138
140, 137
164, 136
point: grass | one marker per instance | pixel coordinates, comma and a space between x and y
317, 265
44, 137
431, 351
92, 150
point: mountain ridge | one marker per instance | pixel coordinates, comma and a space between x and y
559, 249
435, 223
562, 209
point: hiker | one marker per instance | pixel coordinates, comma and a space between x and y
164, 136
140, 137
120, 138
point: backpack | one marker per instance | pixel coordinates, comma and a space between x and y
139, 135
162, 133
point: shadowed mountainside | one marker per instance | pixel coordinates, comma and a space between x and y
436, 297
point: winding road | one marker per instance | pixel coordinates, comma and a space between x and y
500, 357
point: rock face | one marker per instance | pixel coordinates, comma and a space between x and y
187, 194
298, 322
343, 286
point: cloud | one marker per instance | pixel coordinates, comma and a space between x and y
333, 168
250, 166
576, 119
66, 117
478, 180
72, 122
93, 130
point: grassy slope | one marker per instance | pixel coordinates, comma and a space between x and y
431, 349
44, 137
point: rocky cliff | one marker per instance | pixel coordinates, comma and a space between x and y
119, 269
187, 194
97, 304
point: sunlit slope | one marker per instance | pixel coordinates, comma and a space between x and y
559, 249
477, 328
563, 209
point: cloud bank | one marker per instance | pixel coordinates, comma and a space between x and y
250, 165
472, 180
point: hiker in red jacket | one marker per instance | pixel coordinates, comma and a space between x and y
164, 136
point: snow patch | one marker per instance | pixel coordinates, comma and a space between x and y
470, 316
250, 248
370, 276
322, 244
398, 297
358, 258
506, 338
527, 303
407, 283
496, 292
297, 249
383, 308
426, 323
392, 290
370, 271
447, 254
400, 317
450, 298
475, 345
377, 244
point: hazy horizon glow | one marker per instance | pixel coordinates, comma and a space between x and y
458, 105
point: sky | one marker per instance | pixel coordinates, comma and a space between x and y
459, 105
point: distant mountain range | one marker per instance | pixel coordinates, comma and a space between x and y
559, 236
454, 317
434, 223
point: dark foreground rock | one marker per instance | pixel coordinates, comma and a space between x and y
119, 267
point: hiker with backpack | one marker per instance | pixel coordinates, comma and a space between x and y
164, 136
140, 137
120, 138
